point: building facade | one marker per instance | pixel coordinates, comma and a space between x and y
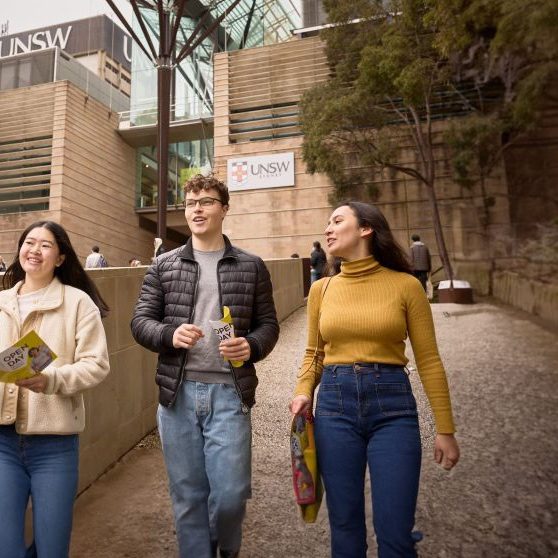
61, 157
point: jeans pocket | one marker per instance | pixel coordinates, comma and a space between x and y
396, 399
329, 400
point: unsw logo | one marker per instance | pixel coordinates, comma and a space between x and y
239, 173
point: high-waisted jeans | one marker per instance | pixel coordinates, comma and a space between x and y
367, 414
44, 467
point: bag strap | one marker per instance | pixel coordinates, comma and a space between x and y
325, 285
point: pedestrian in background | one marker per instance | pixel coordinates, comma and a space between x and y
318, 260
158, 247
204, 412
420, 260
47, 291
2, 264
95, 259
366, 413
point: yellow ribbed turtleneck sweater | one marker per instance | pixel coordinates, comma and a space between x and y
366, 314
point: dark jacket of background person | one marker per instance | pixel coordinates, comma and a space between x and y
167, 300
420, 257
318, 260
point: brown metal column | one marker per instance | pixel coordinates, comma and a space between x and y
163, 117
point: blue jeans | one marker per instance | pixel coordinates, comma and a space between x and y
44, 467
207, 444
366, 414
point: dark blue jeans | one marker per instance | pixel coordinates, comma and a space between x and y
45, 468
367, 414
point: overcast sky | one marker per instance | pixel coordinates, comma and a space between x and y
24, 15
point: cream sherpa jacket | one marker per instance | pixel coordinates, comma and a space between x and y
70, 323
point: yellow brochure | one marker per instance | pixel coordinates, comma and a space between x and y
25, 358
224, 328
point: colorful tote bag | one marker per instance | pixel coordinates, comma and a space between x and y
307, 483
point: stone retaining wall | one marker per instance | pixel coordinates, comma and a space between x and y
121, 410
540, 299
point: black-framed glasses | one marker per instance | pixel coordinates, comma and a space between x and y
204, 202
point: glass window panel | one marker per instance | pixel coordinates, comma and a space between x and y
185, 159
25, 73
270, 21
8, 75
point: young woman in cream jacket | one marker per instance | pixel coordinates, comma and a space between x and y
46, 290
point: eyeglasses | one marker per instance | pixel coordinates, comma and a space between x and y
204, 202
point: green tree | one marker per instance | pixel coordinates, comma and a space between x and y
509, 44
397, 66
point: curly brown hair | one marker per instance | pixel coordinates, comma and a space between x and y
199, 182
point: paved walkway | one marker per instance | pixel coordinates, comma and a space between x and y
501, 501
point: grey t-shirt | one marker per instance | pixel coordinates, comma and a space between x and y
205, 364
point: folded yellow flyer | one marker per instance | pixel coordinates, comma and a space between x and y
25, 358
224, 328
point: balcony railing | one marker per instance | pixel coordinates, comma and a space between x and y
145, 114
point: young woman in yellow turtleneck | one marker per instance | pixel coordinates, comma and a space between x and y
366, 413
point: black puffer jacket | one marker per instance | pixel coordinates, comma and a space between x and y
167, 300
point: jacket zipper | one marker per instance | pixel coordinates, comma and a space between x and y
185, 353
245, 409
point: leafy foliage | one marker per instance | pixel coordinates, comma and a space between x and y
510, 43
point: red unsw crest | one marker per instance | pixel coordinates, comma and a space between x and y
239, 173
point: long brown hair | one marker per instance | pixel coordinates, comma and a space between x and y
70, 272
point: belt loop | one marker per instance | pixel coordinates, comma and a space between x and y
376, 366
334, 371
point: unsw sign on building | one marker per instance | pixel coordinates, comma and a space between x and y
266, 171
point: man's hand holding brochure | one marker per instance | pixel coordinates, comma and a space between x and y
25, 358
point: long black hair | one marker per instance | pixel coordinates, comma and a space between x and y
383, 246
70, 272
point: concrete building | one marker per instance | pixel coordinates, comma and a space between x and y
61, 158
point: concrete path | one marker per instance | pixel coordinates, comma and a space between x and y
501, 501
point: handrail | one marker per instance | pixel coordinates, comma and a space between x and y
179, 112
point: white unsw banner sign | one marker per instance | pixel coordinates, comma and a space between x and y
266, 171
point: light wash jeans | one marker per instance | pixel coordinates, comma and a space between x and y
45, 468
207, 445
367, 414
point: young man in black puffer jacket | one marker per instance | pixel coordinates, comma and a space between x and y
204, 412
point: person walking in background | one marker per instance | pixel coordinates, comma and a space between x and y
318, 260
420, 260
204, 412
95, 259
47, 291
2, 264
158, 247
366, 413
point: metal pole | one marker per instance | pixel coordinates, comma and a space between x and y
163, 109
